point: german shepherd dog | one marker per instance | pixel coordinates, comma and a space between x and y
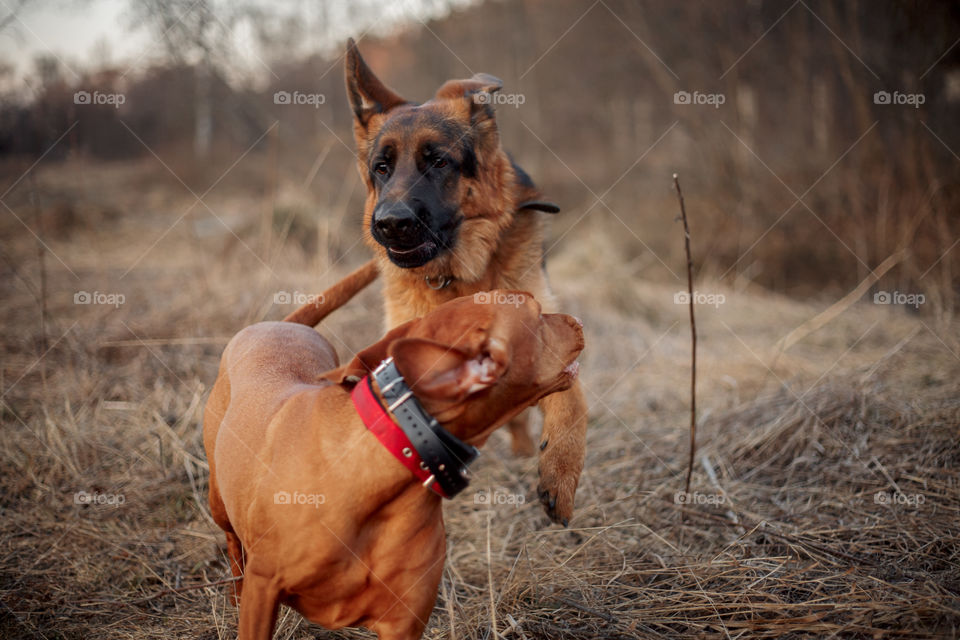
449, 214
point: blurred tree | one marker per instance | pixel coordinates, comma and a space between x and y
197, 33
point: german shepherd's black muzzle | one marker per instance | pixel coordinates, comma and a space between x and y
411, 234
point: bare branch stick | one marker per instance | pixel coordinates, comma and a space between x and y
841, 305
693, 334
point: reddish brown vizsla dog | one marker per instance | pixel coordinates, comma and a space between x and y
328, 480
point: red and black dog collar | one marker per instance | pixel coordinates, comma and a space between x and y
432, 454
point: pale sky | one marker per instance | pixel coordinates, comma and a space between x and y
69, 30
80, 32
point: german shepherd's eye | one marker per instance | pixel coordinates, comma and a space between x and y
381, 168
439, 162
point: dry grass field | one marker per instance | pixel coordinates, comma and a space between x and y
826, 493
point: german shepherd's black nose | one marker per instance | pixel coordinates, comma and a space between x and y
397, 225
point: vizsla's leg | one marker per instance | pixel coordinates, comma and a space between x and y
562, 450
235, 551
520, 441
234, 547
411, 631
258, 608
406, 619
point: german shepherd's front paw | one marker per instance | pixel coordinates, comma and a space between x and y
558, 484
562, 451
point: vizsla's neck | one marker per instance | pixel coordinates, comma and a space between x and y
397, 491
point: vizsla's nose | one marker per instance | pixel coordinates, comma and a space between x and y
396, 224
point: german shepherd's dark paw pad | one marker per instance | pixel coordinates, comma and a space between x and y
556, 491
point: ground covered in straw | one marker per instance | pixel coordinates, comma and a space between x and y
825, 498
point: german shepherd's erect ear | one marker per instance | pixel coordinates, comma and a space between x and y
475, 107
481, 83
368, 96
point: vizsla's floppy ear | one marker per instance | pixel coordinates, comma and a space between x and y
368, 96
368, 359
434, 370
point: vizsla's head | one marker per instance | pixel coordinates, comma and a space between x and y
477, 361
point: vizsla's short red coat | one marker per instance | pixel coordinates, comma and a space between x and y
318, 514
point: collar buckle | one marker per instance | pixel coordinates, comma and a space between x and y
415, 438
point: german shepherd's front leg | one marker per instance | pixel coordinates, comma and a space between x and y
521, 443
562, 450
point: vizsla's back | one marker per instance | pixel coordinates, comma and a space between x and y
253, 382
